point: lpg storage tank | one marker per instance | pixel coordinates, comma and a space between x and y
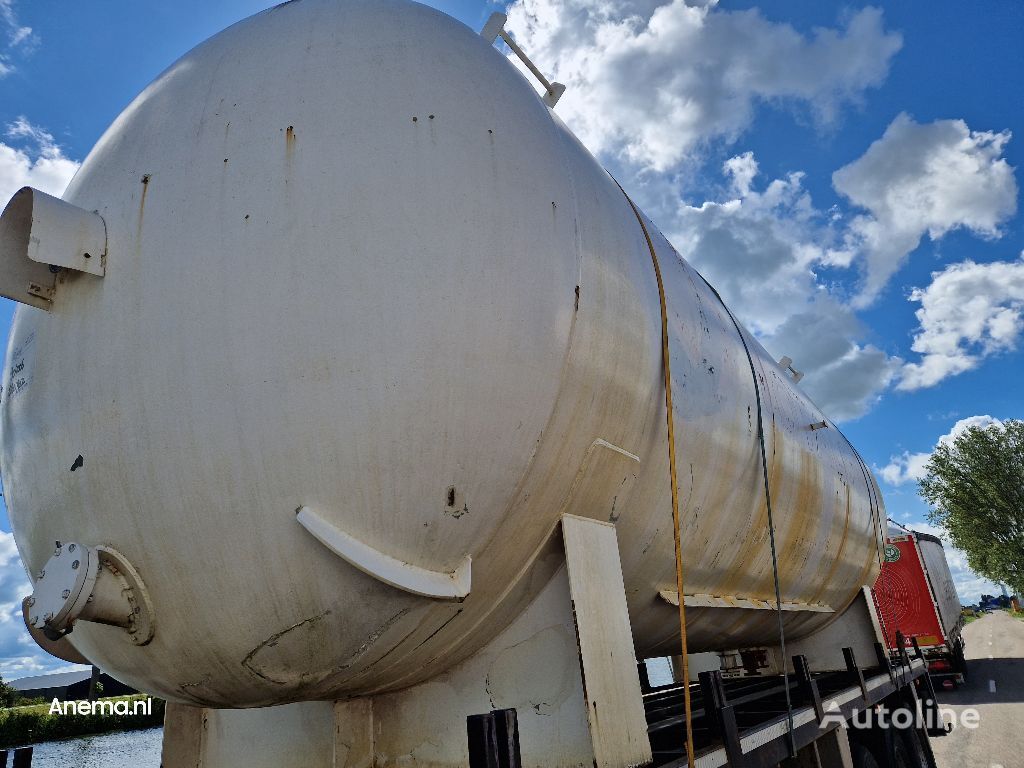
334, 327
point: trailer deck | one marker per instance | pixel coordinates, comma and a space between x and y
743, 723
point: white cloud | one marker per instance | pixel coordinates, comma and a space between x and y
15, 642
649, 81
911, 466
33, 159
20, 38
919, 179
968, 312
760, 250
19, 655
969, 585
844, 376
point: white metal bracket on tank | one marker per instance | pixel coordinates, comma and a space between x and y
786, 364
495, 28
390, 570
671, 597
40, 236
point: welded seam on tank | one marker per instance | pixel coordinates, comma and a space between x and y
768, 505
673, 477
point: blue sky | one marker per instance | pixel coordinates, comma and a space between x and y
845, 175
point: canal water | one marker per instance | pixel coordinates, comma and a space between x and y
125, 749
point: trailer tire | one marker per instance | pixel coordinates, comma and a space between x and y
961, 659
862, 756
910, 741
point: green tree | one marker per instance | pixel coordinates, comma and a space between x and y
975, 486
7, 694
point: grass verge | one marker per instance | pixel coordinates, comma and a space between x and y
20, 726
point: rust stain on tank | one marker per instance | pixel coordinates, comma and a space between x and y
142, 206
798, 529
289, 151
837, 556
741, 578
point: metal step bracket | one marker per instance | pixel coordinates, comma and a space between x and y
495, 28
786, 364
41, 236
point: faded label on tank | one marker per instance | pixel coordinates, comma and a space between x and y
18, 375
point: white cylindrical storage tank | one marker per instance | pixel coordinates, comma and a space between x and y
354, 266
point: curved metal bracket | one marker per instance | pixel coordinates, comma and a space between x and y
390, 570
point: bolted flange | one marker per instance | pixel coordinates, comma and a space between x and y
86, 583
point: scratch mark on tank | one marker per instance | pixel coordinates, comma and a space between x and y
649, 543
433, 634
195, 683
372, 638
272, 642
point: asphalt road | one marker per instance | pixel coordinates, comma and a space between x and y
995, 688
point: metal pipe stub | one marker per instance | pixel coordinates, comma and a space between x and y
86, 583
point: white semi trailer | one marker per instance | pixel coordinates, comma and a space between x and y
335, 414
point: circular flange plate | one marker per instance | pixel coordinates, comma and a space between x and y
143, 624
63, 587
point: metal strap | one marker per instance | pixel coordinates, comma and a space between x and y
768, 508
673, 479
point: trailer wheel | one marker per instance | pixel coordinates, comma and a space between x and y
908, 747
862, 757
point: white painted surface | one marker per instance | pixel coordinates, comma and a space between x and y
615, 710
355, 264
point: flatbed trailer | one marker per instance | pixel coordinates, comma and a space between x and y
744, 722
